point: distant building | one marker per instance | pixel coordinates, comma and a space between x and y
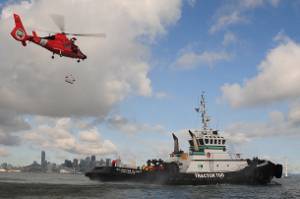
43, 161
107, 162
68, 163
34, 167
87, 159
93, 158
75, 163
101, 162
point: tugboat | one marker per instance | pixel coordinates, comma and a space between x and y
207, 162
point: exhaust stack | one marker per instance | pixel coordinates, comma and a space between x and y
196, 147
176, 144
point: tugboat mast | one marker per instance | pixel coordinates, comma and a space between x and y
202, 109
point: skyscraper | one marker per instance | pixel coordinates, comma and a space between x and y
43, 161
93, 158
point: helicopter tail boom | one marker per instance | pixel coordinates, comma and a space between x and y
19, 32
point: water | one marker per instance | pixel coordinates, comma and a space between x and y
60, 186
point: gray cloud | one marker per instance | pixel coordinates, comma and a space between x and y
124, 125
9, 139
58, 136
3, 152
12, 122
278, 124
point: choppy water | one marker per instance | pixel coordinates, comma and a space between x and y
46, 186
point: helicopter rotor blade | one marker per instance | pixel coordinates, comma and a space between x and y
87, 34
45, 31
59, 20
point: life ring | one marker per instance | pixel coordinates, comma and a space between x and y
208, 154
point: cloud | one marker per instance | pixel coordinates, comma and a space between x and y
3, 152
122, 124
282, 37
229, 38
161, 95
190, 60
117, 66
226, 20
277, 79
278, 124
257, 3
9, 139
59, 137
89, 136
192, 3
12, 122
233, 12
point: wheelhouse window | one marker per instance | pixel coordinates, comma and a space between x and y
206, 141
201, 141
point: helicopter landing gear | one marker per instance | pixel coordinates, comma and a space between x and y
78, 60
52, 56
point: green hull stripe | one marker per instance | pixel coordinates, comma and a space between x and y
212, 147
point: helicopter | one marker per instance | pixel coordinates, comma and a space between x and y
57, 43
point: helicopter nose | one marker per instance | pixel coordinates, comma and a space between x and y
82, 56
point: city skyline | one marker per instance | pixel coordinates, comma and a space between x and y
68, 166
142, 82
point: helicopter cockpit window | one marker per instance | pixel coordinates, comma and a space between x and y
52, 37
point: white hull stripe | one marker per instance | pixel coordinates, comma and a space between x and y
262, 164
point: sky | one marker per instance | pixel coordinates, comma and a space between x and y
143, 81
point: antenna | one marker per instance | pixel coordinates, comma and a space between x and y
286, 168
202, 109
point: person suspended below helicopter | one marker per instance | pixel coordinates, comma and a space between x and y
70, 79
